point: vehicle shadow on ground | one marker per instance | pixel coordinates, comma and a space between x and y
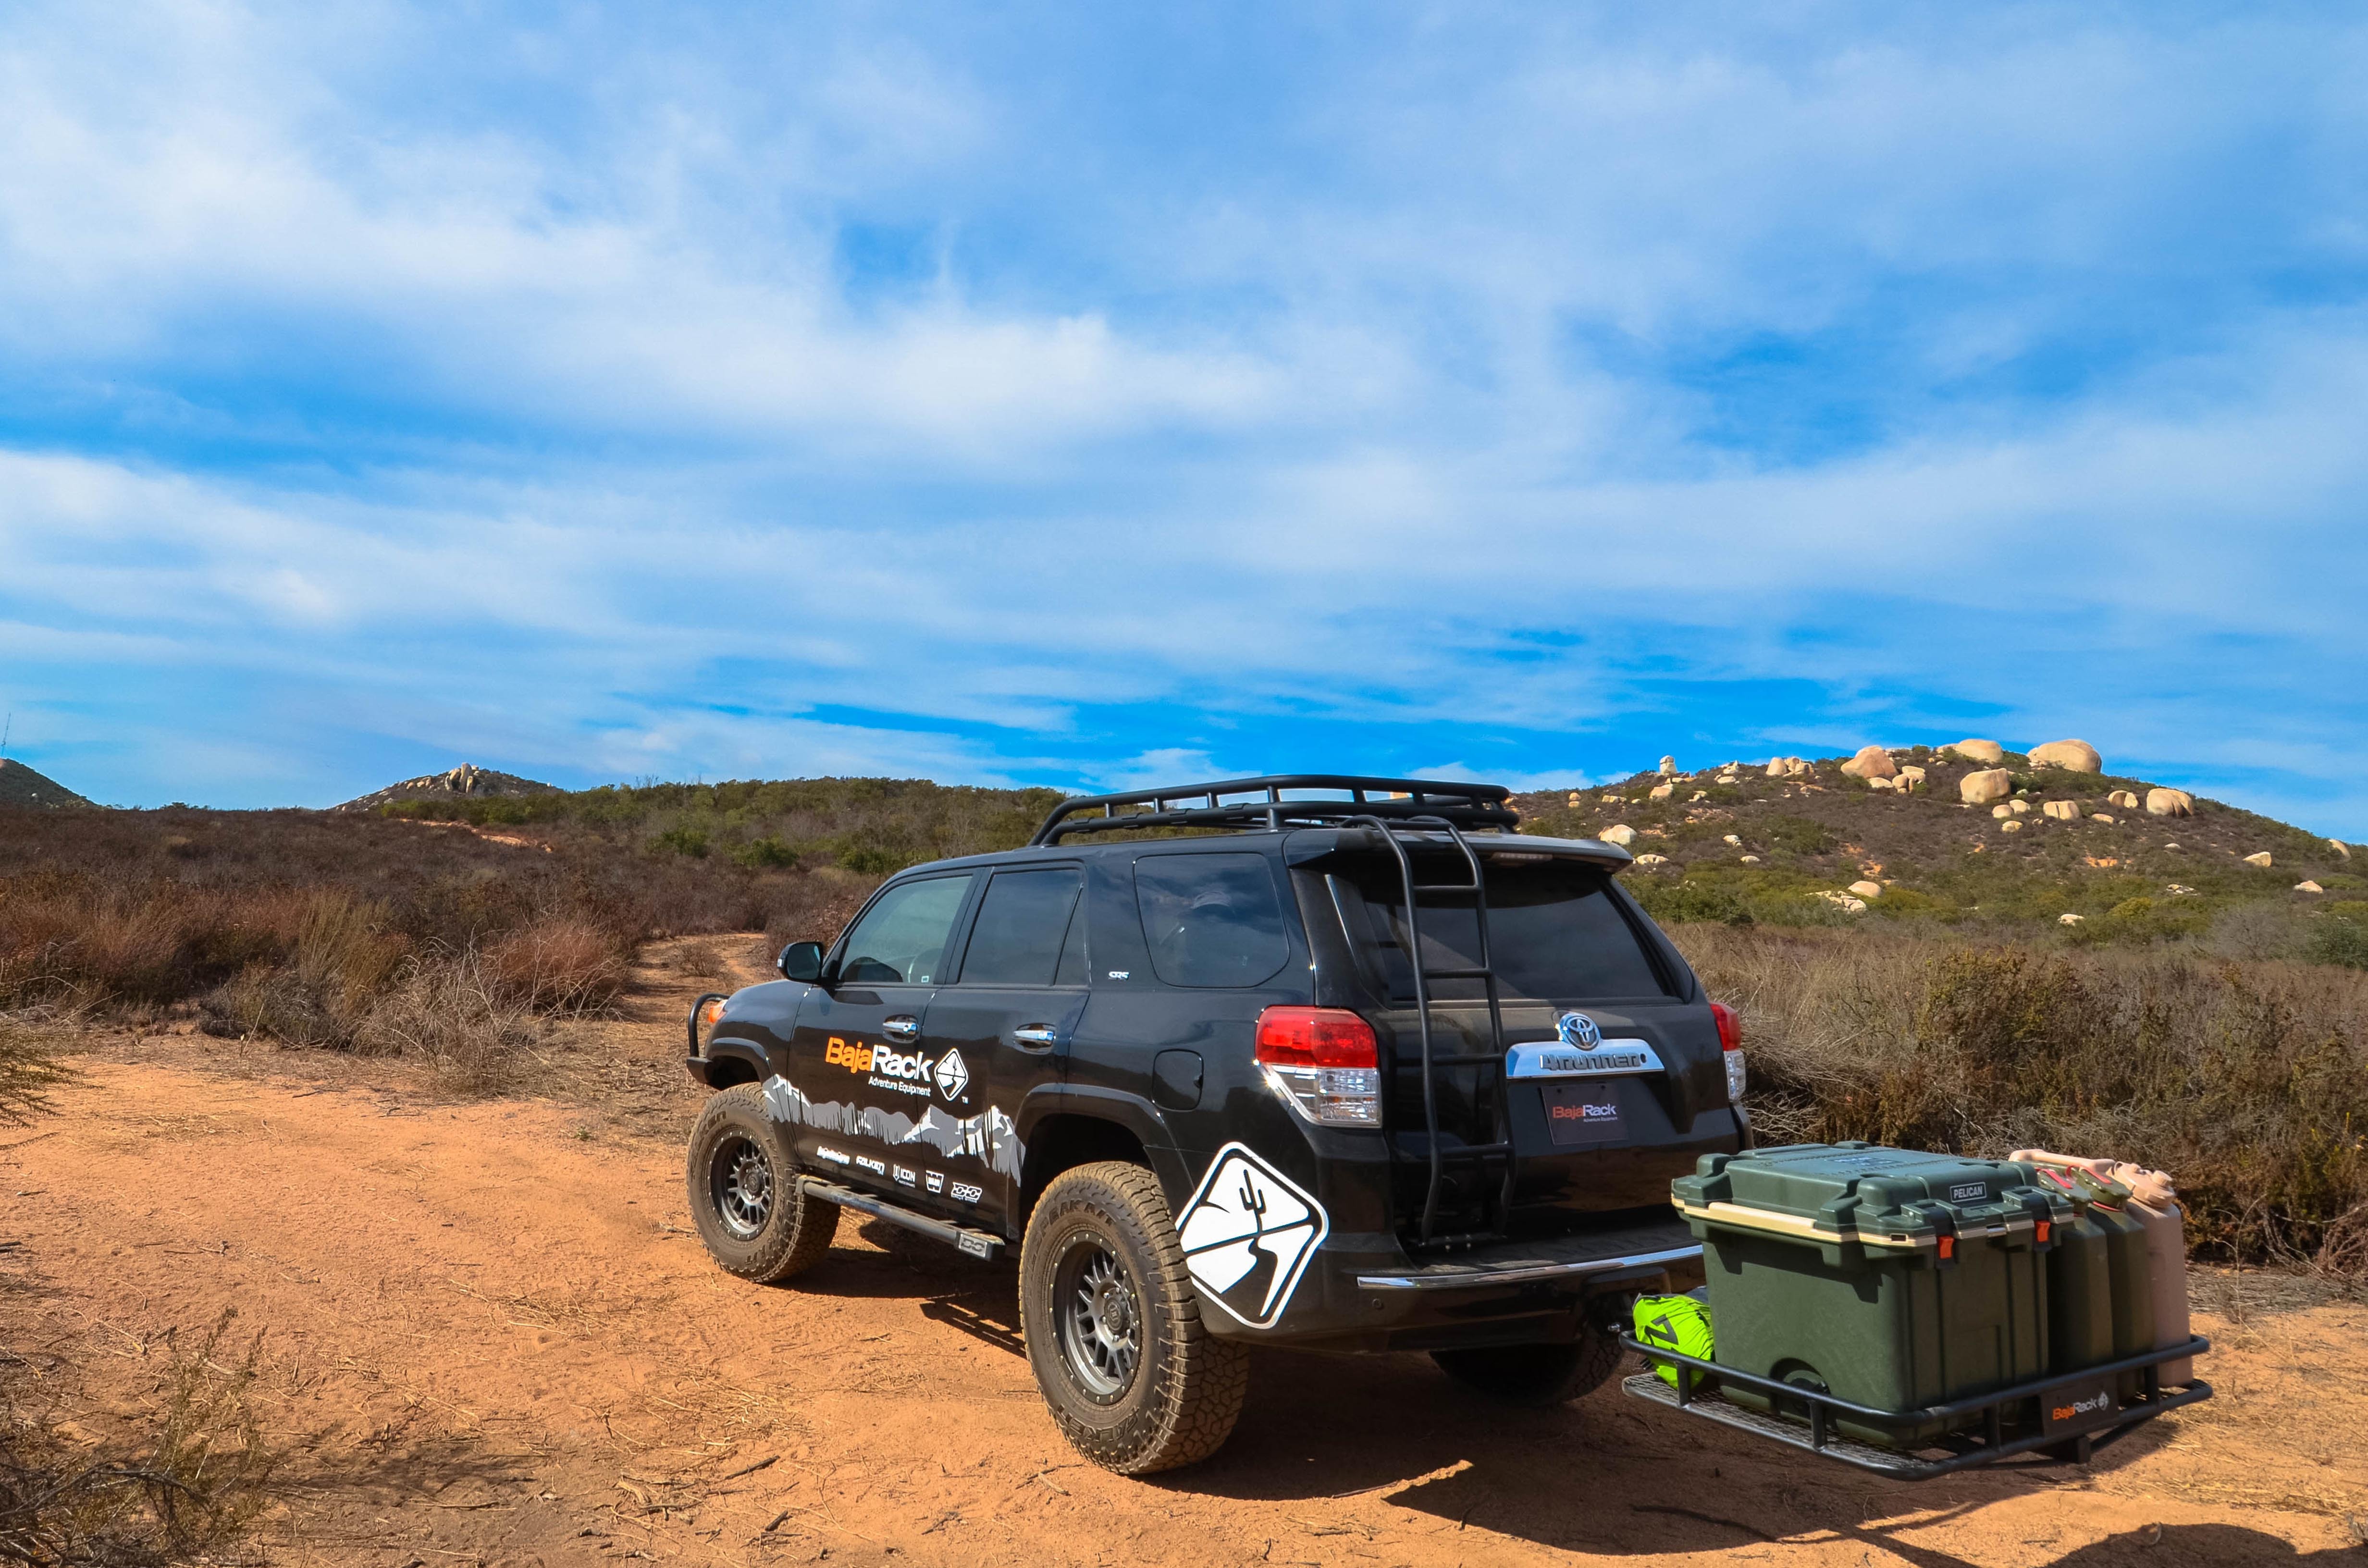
1604, 1475
980, 1299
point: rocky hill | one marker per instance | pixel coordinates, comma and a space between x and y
21, 786
466, 782
1966, 833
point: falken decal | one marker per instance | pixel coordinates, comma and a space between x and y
1248, 1233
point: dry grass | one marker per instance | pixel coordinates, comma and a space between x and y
2248, 1081
355, 933
188, 1491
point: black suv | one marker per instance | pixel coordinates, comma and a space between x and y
1333, 1062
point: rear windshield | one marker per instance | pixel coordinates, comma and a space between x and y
1555, 931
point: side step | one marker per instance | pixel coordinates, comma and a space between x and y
962, 1238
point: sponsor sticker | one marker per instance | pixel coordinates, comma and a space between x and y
825, 1151
935, 1181
877, 1167
1249, 1233
1582, 1115
907, 1177
966, 1192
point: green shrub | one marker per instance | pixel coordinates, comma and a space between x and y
683, 840
767, 852
1689, 899
2339, 941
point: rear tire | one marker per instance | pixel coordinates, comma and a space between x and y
1130, 1373
1536, 1376
743, 1185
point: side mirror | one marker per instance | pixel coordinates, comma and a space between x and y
801, 960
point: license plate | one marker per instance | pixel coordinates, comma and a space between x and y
1580, 1116
2078, 1407
1551, 1058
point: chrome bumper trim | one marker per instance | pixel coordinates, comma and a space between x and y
1517, 1274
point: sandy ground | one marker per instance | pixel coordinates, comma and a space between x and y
491, 1337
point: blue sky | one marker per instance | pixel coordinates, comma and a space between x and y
1081, 395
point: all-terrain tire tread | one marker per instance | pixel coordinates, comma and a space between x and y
1208, 1381
801, 1235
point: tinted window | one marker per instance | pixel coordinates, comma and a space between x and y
1554, 930
1021, 924
1211, 919
904, 935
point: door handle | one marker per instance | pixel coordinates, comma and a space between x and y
1037, 1037
904, 1027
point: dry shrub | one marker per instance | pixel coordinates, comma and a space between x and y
29, 1070
559, 964
339, 957
2248, 1082
450, 1011
192, 1489
702, 961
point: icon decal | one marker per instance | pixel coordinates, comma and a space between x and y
953, 1074
1248, 1234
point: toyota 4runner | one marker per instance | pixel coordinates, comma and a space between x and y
1333, 1064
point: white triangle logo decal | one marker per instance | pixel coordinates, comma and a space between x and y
1245, 1217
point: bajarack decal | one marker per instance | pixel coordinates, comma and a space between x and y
1248, 1233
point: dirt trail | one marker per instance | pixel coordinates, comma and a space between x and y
493, 1339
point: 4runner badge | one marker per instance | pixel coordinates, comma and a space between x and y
1248, 1234
1579, 1031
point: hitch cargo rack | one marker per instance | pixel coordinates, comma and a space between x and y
1429, 809
1983, 1429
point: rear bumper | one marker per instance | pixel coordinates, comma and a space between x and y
1364, 1294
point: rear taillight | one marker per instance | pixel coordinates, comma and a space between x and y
1325, 1062
1730, 1045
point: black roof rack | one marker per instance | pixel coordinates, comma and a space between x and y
1465, 806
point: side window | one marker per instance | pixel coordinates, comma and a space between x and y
1022, 921
1073, 971
1211, 919
901, 938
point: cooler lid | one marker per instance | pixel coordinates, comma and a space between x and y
1856, 1191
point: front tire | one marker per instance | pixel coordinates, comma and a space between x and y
1536, 1377
1133, 1376
743, 1186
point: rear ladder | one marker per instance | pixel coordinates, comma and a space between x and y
1500, 1146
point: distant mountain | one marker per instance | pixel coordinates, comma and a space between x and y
467, 781
20, 786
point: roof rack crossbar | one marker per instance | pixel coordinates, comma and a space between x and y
1463, 805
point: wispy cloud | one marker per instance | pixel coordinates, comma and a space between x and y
1074, 400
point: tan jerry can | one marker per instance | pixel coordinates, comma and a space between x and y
2154, 1204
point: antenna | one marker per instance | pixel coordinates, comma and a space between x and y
4, 729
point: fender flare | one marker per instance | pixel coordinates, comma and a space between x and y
732, 1049
1133, 1112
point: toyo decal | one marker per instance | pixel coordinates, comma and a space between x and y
1248, 1233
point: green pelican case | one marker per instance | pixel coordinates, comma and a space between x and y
1887, 1277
